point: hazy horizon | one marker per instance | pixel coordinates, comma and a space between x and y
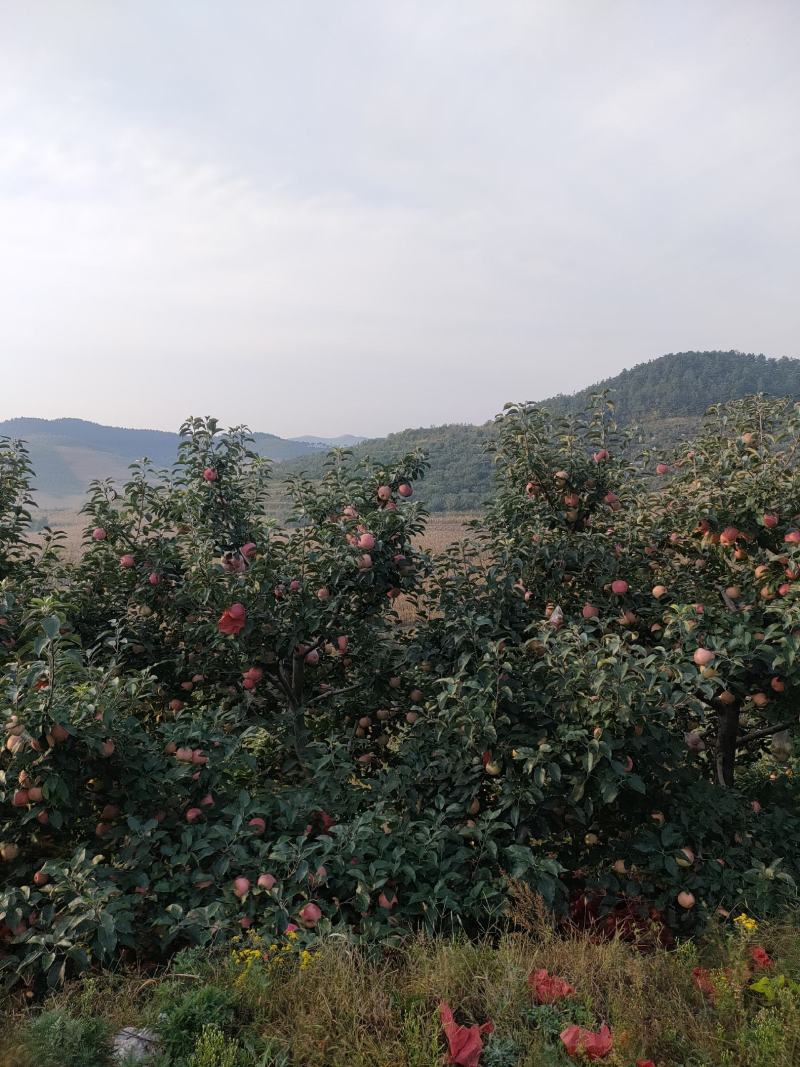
310, 436
355, 218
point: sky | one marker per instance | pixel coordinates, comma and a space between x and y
364, 215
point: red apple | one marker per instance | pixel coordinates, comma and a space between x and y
210, 475
404, 489
619, 586
266, 881
127, 560
257, 825
309, 915
99, 534
241, 886
703, 656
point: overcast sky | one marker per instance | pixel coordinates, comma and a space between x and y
324, 216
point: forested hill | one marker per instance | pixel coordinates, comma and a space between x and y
460, 476
687, 383
666, 396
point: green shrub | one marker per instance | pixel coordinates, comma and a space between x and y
214, 1049
56, 1039
203, 703
182, 1022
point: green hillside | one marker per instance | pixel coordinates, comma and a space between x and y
665, 397
67, 454
687, 383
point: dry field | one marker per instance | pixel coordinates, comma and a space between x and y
445, 528
442, 529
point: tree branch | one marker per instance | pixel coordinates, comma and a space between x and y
764, 731
285, 685
331, 693
298, 665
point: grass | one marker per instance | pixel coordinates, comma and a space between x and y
341, 1008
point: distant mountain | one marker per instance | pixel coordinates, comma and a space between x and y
67, 454
345, 440
666, 397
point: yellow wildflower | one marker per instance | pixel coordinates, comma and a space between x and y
746, 923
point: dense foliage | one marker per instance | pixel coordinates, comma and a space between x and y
213, 723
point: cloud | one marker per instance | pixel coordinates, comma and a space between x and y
370, 216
